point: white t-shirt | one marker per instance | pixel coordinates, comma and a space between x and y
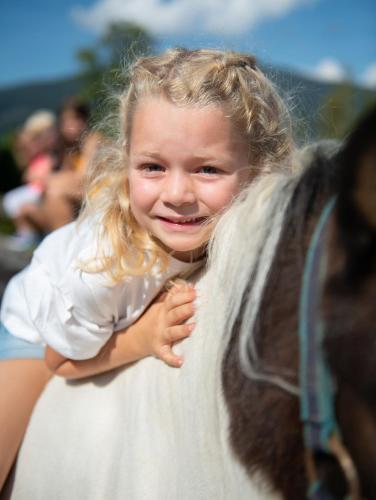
75, 312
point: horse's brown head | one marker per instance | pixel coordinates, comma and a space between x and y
349, 301
265, 427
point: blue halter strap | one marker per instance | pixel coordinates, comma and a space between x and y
321, 432
316, 383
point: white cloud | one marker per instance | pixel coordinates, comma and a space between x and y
369, 76
329, 70
185, 16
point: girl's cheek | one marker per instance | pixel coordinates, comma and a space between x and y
218, 197
143, 194
148, 189
138, 187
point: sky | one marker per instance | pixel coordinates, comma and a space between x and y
326, 39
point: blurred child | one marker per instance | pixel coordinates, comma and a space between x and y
35, 150
64, 189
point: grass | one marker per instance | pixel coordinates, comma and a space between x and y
6, 225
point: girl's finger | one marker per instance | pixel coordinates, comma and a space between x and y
179, 314
180, 285
179, 332
179, 298
169, 357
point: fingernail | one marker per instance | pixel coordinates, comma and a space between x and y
191, 327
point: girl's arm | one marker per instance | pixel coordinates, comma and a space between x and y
153, 334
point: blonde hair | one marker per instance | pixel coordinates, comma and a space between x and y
185, 78
38, 122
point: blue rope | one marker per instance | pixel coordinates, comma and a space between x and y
317, 391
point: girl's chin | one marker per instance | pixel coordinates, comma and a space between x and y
182, 252
190, 256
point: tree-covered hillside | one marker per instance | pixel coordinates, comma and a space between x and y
319, 109
18, 102
317, 106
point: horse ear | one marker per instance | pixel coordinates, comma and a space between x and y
365, 184
356, 201
357, 179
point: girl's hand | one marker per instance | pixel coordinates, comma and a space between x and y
163, 323
153, 334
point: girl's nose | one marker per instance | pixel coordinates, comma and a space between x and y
178, 189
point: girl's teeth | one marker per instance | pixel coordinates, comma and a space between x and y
191, 220
183, 221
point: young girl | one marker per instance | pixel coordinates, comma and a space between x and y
194, 128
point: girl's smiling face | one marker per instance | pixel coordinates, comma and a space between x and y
185, 166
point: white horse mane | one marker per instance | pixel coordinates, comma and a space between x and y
250, 230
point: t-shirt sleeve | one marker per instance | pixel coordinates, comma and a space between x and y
74, 315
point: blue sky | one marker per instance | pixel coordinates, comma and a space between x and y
324, 38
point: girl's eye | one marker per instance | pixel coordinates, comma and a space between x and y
208, 170
152, 167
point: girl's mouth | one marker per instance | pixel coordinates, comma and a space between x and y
184, 221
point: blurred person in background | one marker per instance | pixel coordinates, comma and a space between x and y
35, 151
64, 189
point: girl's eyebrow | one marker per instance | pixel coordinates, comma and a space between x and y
196, 157
153, 154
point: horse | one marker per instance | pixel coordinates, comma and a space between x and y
227, 425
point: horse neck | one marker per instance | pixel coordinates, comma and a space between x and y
268, 435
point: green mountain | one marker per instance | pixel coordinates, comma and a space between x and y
18, 102
321, 110
307, 98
